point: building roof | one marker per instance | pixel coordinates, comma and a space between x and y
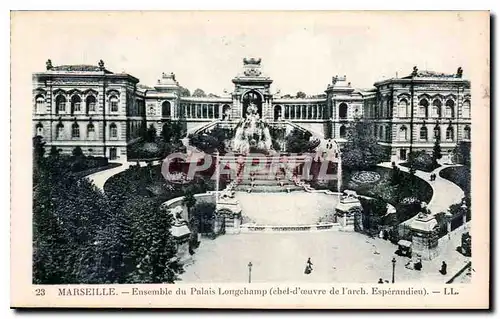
431, 74
79, 68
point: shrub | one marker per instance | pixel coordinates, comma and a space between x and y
421, 161
77, 151
204, 213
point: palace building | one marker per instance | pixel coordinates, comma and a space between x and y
102, 112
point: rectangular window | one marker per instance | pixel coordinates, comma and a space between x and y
75, 131
77, 106
114, 106
61, 107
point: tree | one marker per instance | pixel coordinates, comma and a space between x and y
374, 211
462, 152
77, 151
53, 151
361, 150
184, 91
151, 134
204, 214
172, 131
199, 93
301, 95
81, 236
436, 151
299, 141
189, 200
38, 148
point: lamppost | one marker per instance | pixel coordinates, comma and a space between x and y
448, 216
217, 172
393, 268
250, 272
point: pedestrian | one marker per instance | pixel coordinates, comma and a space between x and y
309, 264
444, 267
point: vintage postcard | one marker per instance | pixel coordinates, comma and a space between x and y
316, 160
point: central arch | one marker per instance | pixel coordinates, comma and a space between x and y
252, 97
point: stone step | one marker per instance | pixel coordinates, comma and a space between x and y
271, 182
267, 188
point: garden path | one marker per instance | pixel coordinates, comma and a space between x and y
101, 177
444, 192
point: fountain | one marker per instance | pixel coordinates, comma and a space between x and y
252, 134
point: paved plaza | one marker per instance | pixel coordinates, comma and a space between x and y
346, 257
295, 208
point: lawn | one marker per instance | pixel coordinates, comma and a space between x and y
400, 195
383, 189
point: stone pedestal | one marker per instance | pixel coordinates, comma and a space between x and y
424, 237
346, 210
228, 211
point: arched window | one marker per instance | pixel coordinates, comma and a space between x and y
59, 131
449, 133
467, 132
75, 104
75, 130
403, 133
113, 102
90, 131
423, 133
39, 129
39, 104
450, 108
466, 109
60, 104
113, 131
403, 108
436, 108
165, 109
90, 104
424, 108
343, 131
343, 110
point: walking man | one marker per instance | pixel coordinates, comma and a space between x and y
308, 266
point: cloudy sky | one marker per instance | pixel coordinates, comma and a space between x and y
299, 51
